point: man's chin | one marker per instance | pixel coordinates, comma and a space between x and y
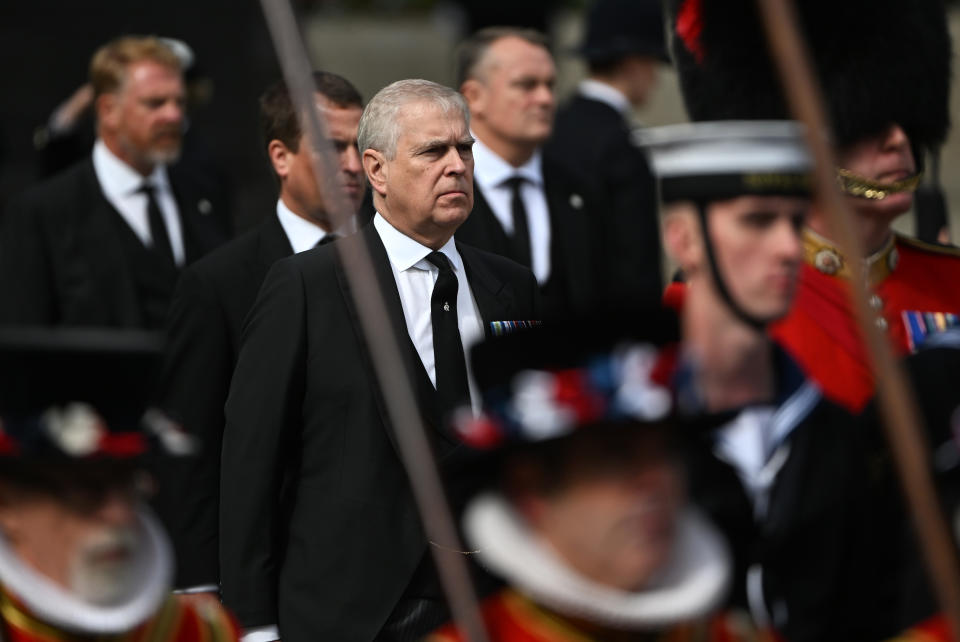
164, 156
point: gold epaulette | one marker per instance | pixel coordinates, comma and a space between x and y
825, 257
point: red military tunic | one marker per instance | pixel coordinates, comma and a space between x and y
915, 291
175, 620
511, 617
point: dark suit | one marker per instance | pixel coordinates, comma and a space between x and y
212, 298
67, 257
592, 140
576, 278
319, 532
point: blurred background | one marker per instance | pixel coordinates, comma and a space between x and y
45, 46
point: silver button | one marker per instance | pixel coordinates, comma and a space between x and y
881, 323
876, 302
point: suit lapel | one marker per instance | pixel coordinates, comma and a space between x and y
99, 246
482, 229
495, 299
571, 233
272, 243
423, 387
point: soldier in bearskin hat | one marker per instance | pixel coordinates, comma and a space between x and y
885, 71
81, 557
581, 505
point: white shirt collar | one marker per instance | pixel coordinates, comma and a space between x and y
490, 171
302, 234
604, 93
119, 179
405, 253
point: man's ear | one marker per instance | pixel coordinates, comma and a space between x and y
681, 237
475, 93
106, 109
376, 169
280, 157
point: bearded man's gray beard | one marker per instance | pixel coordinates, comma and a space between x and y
106, 568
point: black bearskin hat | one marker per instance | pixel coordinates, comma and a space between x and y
878, 61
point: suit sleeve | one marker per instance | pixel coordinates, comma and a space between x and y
26, 282
262, 418
193, 388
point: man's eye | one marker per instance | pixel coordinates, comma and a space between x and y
759, 219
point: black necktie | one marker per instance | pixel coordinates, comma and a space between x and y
521, 231
328, 238
158, 229
451, 368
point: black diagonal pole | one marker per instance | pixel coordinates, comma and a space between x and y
385, 353
897, 404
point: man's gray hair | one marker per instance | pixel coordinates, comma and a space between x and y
378, 127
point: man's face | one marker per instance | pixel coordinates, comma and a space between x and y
613, 518
512, 99
145, 116
759, 249
886, 157
295, 169
427, 187
87, 546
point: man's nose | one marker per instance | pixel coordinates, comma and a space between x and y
455, 163
895, 138
350, 161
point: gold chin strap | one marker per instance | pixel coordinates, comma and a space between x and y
856, 185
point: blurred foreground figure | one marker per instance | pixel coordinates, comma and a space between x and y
582, 506
887, 85
782, 475
81, 557
102, 243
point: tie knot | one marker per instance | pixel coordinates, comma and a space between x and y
329, 238
515, 182
440, 260
147, 188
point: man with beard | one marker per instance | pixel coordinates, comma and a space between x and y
215, 294
81, 556
102, 243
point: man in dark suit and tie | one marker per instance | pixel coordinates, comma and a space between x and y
102, 243
320, 537
624, 48
527, 207
215, 294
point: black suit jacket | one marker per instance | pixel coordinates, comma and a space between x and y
319, 532
592, 140
61, 259
212, 298
576, 278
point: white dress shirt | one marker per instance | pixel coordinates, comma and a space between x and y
491, 174
121, 184
303, 234
604, 93
415, 277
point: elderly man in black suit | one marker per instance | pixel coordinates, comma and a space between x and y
320, 537
624, 49
215, 294
102, 243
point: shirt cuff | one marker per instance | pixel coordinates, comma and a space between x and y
203, 588
267, 633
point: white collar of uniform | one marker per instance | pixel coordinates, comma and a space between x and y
302, 234
405, 253
604, 93
119, 180
490, 171
59, 607
693, 583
